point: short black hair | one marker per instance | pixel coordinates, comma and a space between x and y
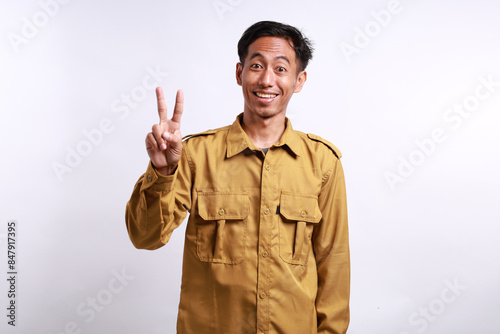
301, 44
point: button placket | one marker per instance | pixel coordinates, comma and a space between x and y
264, 265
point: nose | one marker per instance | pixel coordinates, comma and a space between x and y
267, 78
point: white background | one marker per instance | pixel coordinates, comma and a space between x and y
437, 225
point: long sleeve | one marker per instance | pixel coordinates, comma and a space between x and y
158, 205
331, 246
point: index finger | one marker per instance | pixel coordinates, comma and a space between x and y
162, 106
179, 106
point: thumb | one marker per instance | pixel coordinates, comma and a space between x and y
173, 139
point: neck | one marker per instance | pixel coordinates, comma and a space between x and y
263, 132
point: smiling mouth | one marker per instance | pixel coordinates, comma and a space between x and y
265, 96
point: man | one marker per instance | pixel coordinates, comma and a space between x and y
266, 248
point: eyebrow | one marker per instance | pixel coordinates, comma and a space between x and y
258, 54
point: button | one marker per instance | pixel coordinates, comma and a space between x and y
302, 213
265, 254
263, 295
268, 167
149, 178
221, 212
266, 211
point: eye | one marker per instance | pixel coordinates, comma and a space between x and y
281, 69
255, 66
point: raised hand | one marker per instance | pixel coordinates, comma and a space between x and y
164, 143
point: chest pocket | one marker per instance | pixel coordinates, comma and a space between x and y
221, 227
299, 214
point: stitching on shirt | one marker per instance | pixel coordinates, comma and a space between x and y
269, 279
332, 147
188, 158
327, 175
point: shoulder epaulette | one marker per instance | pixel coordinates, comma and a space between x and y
332, 147
205, 133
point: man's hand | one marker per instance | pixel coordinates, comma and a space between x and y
164, 143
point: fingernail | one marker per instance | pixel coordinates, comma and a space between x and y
166, 136
163, 146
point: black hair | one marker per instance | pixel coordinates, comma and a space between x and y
301, 44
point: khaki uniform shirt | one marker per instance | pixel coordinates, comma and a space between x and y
266, 247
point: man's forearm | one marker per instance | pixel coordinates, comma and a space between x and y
145, 224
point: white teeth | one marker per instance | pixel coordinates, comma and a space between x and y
265, 95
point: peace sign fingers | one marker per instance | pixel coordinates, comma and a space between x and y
162, 106
179, 106
164, 142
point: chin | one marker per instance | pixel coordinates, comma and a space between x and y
267, 112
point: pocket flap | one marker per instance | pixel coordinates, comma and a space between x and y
300, 207
214, 205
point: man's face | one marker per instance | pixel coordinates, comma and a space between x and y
269, 77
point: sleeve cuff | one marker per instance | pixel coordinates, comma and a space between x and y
153, 179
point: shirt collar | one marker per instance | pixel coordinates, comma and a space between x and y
238, 141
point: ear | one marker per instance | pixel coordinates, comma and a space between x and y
239, 70
301, 80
